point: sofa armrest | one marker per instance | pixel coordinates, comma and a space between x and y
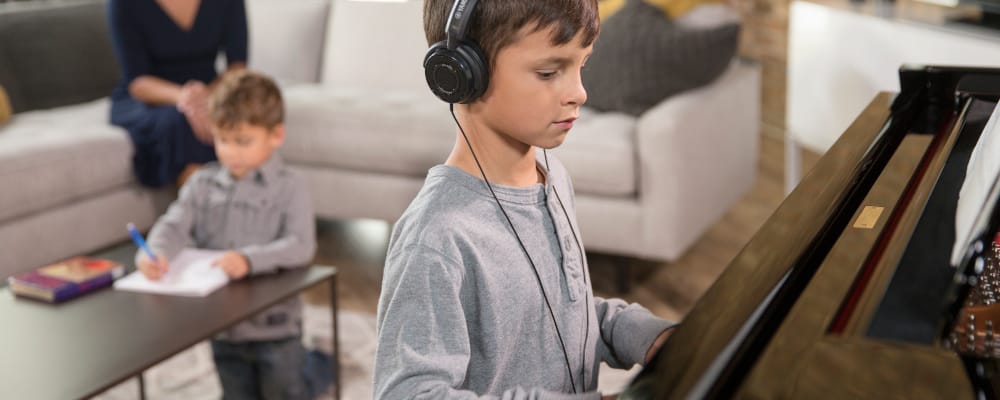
697, 155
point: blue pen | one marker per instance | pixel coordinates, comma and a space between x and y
139, 241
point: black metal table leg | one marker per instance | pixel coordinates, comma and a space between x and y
142, 387
336, 342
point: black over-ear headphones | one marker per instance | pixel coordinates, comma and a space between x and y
456, 68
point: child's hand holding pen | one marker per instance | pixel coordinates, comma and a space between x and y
153, 266
153, 269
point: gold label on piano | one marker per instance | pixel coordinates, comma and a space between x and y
868, 217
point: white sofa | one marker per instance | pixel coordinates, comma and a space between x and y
646, 187
363, 130
66, 185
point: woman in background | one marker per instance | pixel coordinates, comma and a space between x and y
167, 51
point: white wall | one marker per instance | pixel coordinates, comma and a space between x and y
838, 60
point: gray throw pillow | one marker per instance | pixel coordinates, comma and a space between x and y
55, 53
642, 58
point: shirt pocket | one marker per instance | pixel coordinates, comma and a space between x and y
212, 218
260, 219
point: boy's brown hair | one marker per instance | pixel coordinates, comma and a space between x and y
496, 23
246, 97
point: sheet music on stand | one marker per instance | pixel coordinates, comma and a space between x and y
191, 274
980, 175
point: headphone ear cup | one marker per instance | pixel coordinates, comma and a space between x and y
479, 68
446, 75
456, 76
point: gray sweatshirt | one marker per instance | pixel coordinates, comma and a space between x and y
267, 216
461, 314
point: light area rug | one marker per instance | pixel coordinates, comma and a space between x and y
190, 375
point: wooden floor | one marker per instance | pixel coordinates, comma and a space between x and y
668, 289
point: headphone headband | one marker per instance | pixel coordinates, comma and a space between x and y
458, 22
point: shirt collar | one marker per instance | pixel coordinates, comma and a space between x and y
268, 172
223, 178
264, 174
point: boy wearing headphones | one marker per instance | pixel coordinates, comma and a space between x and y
486, 290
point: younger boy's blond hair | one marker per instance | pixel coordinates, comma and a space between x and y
246, 97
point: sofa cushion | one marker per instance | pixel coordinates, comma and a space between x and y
386, 132
76, 43
286, 38
361, 53
52, 157
407, 134
643, 58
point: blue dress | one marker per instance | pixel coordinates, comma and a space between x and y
148, 42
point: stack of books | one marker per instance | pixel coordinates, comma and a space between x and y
66, 279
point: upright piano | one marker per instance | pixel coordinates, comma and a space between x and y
877, 276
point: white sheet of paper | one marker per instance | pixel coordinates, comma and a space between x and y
190, 274
983, 169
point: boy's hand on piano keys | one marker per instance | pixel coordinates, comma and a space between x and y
655, 347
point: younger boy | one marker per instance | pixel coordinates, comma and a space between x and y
251, 205
486, 290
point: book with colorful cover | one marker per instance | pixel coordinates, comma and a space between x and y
66, 279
